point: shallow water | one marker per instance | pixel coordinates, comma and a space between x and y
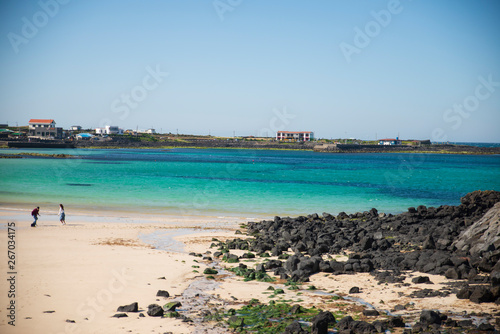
249, 183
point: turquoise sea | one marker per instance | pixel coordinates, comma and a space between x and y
243, 183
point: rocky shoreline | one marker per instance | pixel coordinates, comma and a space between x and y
460, 243
181, 142
429, 240
275, 145
431, 148
449, 240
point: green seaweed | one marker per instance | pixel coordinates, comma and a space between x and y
210, 271
292, 285
173, 314
273, 317
251, 274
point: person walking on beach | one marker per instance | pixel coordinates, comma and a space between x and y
62, 215
35, 213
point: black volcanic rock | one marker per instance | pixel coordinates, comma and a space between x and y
345, 323
427, 239
464, 293
162, 293
371, 313
321, 321
495, 278
481, 294
134, 307
421, 279
295, 328
354, 289
428, 317
155, 310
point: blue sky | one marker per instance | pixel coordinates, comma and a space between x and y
362, 69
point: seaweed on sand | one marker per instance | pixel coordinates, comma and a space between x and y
251, 274
269, 318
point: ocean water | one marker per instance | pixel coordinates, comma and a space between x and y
243, 183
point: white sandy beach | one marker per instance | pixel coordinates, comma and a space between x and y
84, 270
72, 279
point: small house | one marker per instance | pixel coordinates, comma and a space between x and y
389, 141
44, 129
109, 130
294, 135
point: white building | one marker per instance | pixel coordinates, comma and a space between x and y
109, 130
294, 135
150, 131
389, 141
44, 129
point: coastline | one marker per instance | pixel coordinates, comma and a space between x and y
117, 142
73, 278
136, 215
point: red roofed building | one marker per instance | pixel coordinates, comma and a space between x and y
294, 135
44, 129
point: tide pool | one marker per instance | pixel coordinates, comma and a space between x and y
241, 182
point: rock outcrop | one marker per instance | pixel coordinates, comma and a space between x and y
458, 242
483, 235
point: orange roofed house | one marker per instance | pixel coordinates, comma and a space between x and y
294, 135
44, 129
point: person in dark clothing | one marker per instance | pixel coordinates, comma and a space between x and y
35, 213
